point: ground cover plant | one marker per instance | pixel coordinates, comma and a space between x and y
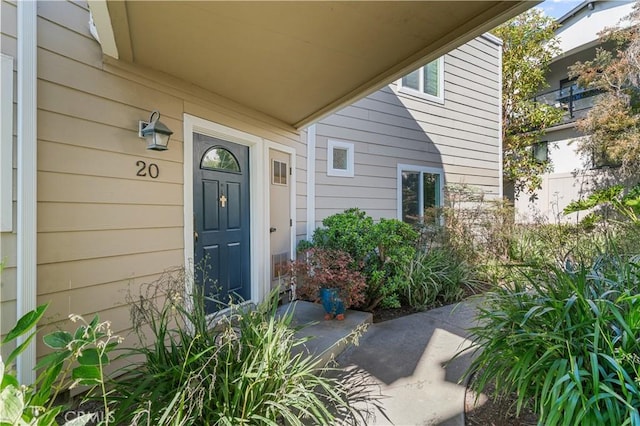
77, 359
565, 340
245, 367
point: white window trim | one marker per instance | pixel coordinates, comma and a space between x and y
420, 94
349, 172
415, 168
6, 143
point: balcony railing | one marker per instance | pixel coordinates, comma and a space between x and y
574, 101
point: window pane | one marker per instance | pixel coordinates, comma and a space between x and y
540, 151
412, 80
410, 181
431, 194
219, 159
431, 188
340, 158
283, 173
431, 80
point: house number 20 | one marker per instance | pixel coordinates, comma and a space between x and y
145, 169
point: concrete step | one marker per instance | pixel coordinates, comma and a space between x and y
328, 338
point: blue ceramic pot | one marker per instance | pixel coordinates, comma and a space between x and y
331, 301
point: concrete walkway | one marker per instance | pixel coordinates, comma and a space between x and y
400, 375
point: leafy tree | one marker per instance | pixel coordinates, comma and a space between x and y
529, 45
612, 126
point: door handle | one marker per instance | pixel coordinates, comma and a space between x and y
195, 236
272, 230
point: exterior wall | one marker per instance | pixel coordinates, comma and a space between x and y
8, 247
573, 176
391, 127
102, 230
7, 233
582, 27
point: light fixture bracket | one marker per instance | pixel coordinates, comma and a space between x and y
142, 125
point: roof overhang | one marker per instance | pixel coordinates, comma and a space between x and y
294, 61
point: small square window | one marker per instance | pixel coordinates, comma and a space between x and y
540, 151
340, 158
601, 159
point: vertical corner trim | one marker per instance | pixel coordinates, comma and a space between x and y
27, 177
311, 180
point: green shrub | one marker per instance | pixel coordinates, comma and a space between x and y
240, 368
435, 277
567, 342
76, 359
613, 202
540, 245
475, 230
381, 251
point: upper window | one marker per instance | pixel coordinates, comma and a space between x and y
603, 159
420, 190
540, 151
427, 81
218, 158
340, 158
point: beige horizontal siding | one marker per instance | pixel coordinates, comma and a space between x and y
56, 277
390, 127
103, 230
8, 284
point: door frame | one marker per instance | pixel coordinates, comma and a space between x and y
259, 178
292, 197
258, 200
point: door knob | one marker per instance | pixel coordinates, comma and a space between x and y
272, 230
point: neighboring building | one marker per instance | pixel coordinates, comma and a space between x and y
392, 153
573, 176
87, 213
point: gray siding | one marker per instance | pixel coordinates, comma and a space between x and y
460, 136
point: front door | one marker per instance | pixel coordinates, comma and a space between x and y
221, 220
280, 216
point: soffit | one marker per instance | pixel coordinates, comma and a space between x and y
295, 61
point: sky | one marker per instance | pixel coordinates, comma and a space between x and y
557, 8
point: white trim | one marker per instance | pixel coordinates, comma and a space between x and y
99, 16
349, 147
311, 181
256, 187
422, 169
292, 196
27, 237
500, 148
420, 93
6, 143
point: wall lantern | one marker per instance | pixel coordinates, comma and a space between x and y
156, 133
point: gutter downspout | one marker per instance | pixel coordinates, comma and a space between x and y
27, 177
311, 180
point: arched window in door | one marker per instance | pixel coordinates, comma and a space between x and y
218, 158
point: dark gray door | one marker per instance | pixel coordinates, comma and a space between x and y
221, 219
